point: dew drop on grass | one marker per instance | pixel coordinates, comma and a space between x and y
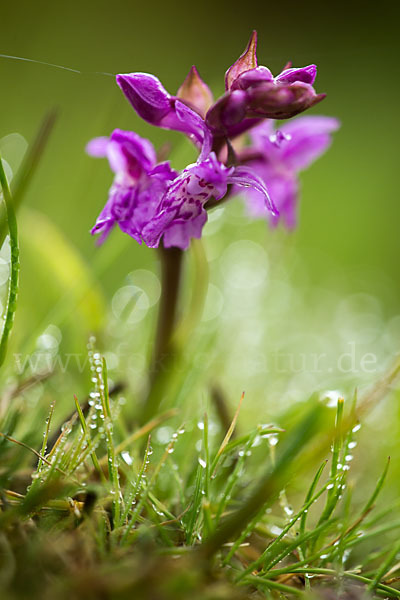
200, 425
202, 462
330, 486
348, 457
273, 440
352, 445
163, 434
356, 428
276, 530
127, 458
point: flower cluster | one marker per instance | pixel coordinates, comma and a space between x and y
155, 204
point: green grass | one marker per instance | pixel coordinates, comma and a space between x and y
186, 517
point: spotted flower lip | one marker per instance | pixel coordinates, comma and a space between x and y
182, 212
278, 155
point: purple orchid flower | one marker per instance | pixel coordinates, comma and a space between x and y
150, 201
253, 93
277, 156
138, 186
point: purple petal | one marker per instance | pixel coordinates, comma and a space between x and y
156, 228
248, 60
252, 78
246, 177
283, 190
309, 138
147, 96
281, 101
117, 158
98, 147
163, 171
138, 151
105, 221
129, 227
153, 103
304, 74
104, 228
195, 123
180, 234
228, 112
212, 175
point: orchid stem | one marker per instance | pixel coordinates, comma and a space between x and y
171, 262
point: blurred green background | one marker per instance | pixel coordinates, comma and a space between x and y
331, 286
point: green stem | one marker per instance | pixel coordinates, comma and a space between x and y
171, 261
171, 268
13, 286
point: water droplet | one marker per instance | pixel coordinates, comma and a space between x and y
127, 458
202, 462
